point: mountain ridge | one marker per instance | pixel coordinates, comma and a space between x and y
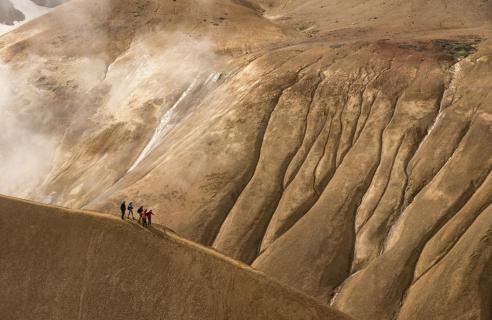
75, 274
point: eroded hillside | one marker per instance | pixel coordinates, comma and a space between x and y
341, 148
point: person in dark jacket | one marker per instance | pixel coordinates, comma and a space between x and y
130, 211
123, 209
140, 213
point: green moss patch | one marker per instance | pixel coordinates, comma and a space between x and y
459, 49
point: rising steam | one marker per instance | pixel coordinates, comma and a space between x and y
25, 153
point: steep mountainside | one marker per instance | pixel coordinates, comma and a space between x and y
341, 147
62, 264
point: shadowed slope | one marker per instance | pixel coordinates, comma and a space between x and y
64, 264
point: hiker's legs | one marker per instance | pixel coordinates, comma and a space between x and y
122, 214
150, 220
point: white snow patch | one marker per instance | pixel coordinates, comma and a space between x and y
76, 190
163, 127
213, 77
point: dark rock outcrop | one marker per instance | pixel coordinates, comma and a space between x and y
9, 14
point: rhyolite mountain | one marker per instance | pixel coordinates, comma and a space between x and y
342, 148
16, 12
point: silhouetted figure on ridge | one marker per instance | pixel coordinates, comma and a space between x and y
123, 209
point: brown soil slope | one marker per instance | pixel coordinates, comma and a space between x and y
379, 18
341, 147
63, 264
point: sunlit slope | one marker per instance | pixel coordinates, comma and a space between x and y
63, 264
390, 18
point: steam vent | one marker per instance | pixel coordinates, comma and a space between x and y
245, 159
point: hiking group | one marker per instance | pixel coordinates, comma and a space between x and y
144, 216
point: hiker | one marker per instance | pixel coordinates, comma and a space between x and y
144, 218
140, 213
130, 211
123, 209
149, 217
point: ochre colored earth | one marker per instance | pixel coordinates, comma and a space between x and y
343, 148
84, 265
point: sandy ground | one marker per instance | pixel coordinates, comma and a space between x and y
78, 264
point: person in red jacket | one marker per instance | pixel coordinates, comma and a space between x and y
144, 218
149, 217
